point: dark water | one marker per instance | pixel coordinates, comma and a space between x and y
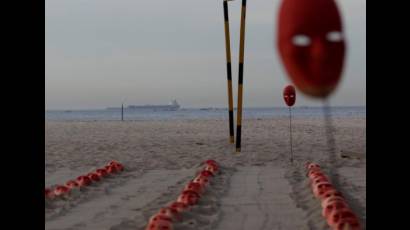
301, 112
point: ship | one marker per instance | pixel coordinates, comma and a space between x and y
173, 106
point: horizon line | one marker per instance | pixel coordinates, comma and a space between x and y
211, 107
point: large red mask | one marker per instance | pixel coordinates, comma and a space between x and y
289, 94
311, 44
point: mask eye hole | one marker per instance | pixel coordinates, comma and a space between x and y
301, 40
334, 36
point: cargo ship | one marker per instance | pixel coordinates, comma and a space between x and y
173, 106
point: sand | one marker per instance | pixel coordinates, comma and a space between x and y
257, 189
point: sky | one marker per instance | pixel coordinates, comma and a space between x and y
100, 53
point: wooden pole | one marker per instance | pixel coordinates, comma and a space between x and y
229, 71
240, 77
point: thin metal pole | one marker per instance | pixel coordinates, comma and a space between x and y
122, 112
331, 143
290, 134
229, 71
240, 77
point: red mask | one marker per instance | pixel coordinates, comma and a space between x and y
289, 94
311, 44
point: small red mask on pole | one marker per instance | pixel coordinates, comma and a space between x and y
289, 94
311, 44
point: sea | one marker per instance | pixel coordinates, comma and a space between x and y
206, 113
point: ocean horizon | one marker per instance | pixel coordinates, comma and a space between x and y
201, 113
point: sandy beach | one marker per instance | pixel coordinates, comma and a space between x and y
257, 188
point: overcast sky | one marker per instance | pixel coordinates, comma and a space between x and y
99, 53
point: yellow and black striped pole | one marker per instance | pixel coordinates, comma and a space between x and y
240, 77
229, 71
